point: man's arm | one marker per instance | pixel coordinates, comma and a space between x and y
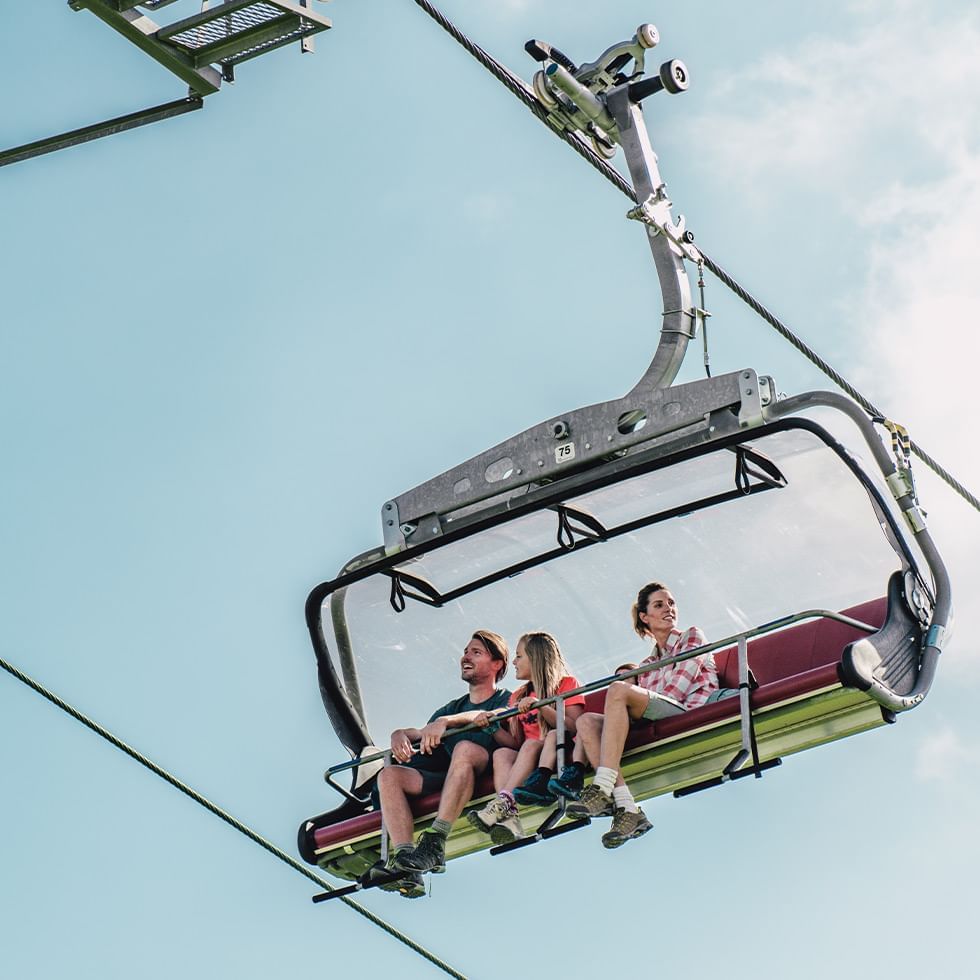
401, 742
431, 736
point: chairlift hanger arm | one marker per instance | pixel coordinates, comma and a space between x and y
865, 663
597, 99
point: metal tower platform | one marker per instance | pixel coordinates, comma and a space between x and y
201, 50
204, 48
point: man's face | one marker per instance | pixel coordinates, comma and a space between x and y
476, 664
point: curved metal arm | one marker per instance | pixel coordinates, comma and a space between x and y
942, 610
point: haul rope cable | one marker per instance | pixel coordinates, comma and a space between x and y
523, 92
227, 817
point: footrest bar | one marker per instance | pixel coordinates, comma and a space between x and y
565, 827
726, 777
338, 893
515, 844
756, 771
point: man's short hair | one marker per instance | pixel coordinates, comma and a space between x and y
497, 647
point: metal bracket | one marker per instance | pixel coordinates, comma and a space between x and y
750, 414
643, 420
900, 483
654, 212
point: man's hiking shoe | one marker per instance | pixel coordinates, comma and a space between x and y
534, 790
569, 784
625, 826
508, 829
487, 818
429, 854
592, 803
409, 884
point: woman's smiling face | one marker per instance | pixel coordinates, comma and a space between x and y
661, 612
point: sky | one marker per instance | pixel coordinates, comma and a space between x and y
230, 337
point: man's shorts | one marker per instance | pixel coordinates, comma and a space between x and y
433, 768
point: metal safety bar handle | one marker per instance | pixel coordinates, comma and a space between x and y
559, 699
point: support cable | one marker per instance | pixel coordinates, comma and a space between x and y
227, 817
527, 96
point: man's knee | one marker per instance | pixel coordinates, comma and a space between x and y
589, 723
394, 778
469, 755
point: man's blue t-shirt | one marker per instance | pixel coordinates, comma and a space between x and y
483, 737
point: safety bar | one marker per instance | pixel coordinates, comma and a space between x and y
596, 685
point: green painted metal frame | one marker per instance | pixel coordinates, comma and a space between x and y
783, 729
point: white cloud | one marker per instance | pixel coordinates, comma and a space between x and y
943, 756
884, 122
834, 109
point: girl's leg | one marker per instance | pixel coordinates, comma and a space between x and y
549, 752
527, 759
503, 762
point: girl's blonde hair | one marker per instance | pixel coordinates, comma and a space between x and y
548, 667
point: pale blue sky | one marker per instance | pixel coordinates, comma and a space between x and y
228, 338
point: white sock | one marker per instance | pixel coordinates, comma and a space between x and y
623, 798
605, 779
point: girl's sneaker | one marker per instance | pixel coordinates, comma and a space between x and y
508, 829
534, 790
487, 818
569, 784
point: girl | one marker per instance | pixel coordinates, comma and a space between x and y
540, 664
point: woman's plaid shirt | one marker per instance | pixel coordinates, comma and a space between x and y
691, 681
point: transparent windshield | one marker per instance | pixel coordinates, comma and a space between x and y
813, 543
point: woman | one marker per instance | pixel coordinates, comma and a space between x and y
659, 693
540, 664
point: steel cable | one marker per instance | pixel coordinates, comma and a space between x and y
523, 92
227, 817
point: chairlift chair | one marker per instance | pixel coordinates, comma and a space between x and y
786, 528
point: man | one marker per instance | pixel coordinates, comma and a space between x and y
450, 762
660, 693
